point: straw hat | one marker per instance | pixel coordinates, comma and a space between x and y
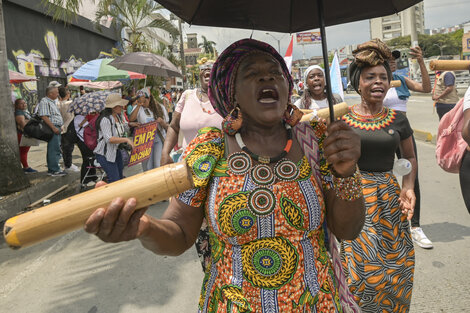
54, 83
114, 99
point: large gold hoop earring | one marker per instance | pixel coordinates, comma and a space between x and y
232, 122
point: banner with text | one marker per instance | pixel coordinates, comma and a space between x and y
308, 38
144, 136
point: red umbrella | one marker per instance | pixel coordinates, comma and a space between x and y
17, 77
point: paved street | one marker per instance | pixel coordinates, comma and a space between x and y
78, 273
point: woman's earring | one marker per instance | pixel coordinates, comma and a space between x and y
232, 122
292, 115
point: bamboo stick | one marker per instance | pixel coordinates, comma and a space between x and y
69, 214
340, 109
449, 65
395, 83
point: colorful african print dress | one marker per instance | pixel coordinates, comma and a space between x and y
380, 261
266, 235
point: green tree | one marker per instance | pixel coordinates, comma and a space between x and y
13, 178
208, 46
433, 45
133, 17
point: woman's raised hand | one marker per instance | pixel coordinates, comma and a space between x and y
120, 221
342, 148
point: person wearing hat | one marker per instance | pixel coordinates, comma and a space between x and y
50, 114
54, 83
148, 110
397, 99
111, 130
314, 96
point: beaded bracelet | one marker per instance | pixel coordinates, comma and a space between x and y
348, 188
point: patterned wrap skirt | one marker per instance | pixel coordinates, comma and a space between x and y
379, 263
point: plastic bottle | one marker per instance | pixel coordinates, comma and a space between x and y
402, 167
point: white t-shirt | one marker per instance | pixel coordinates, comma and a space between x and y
144, 115
392, 101
466, 100
314, 104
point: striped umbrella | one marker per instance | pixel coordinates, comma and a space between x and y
100, 70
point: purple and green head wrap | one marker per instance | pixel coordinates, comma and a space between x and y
221, 86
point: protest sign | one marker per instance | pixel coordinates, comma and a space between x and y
144, 136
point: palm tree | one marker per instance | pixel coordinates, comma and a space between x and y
13, 177
134, 17
208, 46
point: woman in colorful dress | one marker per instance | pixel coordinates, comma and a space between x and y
380, 262
265, 186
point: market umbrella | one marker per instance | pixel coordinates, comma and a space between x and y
89, 102
100, 70
146, 63
288, 16
96, 85
17, 77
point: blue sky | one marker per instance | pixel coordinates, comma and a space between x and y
438, 13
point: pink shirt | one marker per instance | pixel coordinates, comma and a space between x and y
193, 116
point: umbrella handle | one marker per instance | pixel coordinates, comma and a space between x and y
329, 93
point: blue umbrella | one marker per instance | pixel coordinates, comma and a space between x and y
90, 102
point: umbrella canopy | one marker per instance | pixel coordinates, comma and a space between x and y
17, 77
147, 63
100, 70
286, 16
89, 102
96, 85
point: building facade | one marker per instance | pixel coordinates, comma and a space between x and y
466, 42
38, 46
396, 25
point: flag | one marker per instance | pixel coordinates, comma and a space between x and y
335, 76
288, 56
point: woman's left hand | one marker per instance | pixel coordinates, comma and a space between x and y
342, 148
407, 202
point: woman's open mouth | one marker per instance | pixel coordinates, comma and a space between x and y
268, 95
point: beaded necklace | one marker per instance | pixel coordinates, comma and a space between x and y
265, 159
199, 93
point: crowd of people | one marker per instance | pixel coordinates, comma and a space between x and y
113, 127
275, 201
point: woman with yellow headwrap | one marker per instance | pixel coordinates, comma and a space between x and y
380, 261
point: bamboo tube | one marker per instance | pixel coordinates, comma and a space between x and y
395, 83
340, 109
449, 65
69, 214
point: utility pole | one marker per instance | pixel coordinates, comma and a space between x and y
183, 62
414, 39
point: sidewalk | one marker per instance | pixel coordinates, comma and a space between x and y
41, 183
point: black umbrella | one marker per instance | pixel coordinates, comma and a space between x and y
146, 63
288, 16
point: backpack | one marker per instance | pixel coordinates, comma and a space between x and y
90, 134
450, 146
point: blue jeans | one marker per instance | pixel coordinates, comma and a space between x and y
113, 169
53, 154
155, 156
